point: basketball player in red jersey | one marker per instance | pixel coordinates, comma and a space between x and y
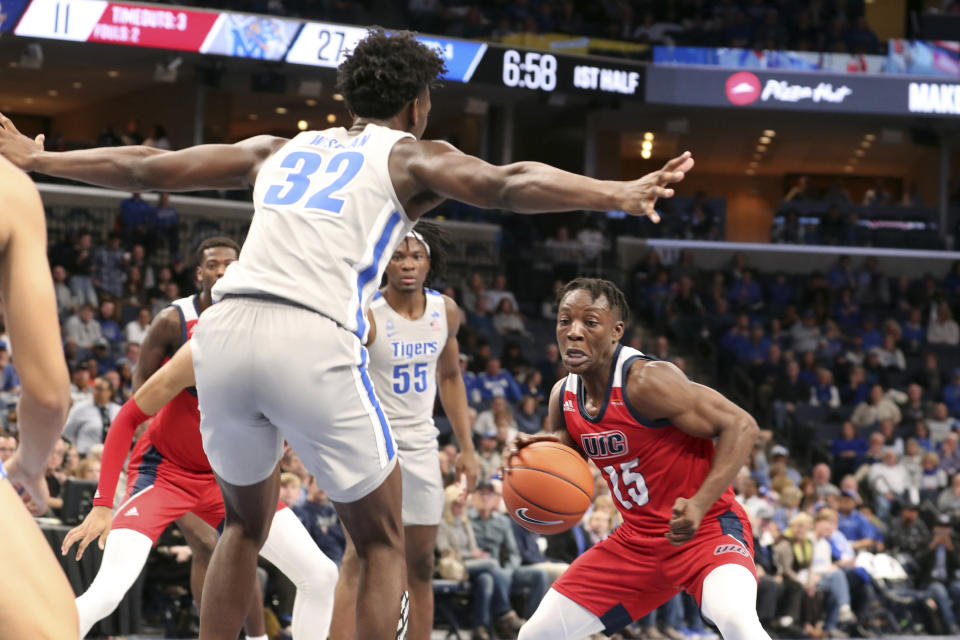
650, 430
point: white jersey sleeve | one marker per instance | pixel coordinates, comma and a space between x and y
403, 366
326, 221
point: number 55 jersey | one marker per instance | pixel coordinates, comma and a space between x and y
326, 221
648, 463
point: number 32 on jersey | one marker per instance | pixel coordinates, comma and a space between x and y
343, 167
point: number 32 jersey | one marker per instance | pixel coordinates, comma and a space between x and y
647, 463
326, 221
403, 365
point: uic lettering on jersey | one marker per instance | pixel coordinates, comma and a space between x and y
604, 445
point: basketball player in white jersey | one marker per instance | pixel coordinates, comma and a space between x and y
35, 597
414, 357
281, 355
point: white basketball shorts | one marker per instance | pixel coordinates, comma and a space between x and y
267, 371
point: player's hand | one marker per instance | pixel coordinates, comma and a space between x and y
640, 196
95, 525
32, 487
522, 440
687, 515
16, 147
467, 465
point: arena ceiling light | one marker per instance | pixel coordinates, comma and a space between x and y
645, 154
865, 144
303, 125
648, 136
112, 73
53, 93
281, 111
761, 148
765, 139
311, 102
338, 97
870, 137
77, 85
253, 116
331, 118
859, 153
769, 133
848, 169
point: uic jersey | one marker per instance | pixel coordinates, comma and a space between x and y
647, 463
175, 429
403, 364
326, 221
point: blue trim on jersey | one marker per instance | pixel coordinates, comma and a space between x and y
657, 423
615, 619
368, 274
431, 292
183, 324
606, 399
378, 295
730, 524
147, 470
368, 385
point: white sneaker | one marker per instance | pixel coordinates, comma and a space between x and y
846, 614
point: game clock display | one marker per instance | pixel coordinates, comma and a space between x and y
548, 72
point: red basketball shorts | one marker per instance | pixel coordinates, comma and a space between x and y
626, 576
159, 491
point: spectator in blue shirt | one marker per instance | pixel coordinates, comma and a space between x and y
320, 519
137, 219
108, 268
498, 382
11, 381
841, 275
781, 293
951, 393
847, 310
914, 333
109, 328
870, 334
848, 451
855, 526
745, 293
756, 349
168, 223
474, 395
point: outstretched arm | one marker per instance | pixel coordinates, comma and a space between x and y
138, 168
660, 390
534, 187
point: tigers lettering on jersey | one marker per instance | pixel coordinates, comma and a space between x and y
408, 350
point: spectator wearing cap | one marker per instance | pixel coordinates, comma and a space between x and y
495, 382
890, 481
875, 409
489, 454
855, 526
82, 327
908, 534
87, 423
101, 353
938, 563
494, 534
779, 454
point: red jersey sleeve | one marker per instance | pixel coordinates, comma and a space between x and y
115, 450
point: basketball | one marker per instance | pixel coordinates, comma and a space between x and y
548, 487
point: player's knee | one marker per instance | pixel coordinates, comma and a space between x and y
248, 528
536, 628
320, 575
420, 567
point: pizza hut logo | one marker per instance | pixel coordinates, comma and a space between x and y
743, 88
730, 548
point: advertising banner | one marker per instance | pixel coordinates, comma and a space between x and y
243, 35
812, 92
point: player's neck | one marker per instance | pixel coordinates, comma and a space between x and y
596, 382
204, 300
411, 305
390, 123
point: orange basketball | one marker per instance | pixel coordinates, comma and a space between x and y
548, 487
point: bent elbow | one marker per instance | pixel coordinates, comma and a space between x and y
750, 429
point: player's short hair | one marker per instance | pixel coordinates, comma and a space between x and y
385, 72
598, 287
216, 241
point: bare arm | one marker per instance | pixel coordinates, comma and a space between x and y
453, 397
557, 430
661, 390
172, 378
163, 334
138, 168
533, 187
27, 291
